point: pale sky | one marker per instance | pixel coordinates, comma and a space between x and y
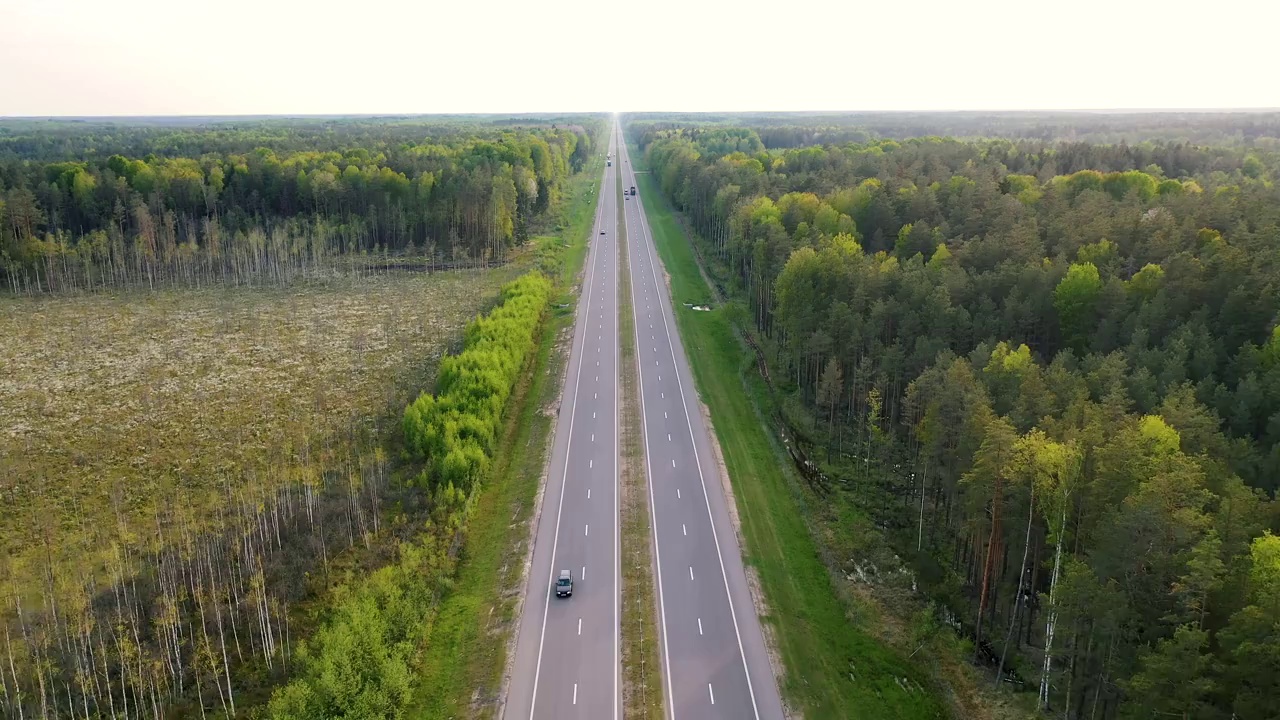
176, 57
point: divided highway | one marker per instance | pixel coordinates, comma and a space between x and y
566, 661
712, 648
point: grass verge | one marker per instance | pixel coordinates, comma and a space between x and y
461, 674
641, 674
833, 666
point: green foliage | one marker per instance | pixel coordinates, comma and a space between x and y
1102, 254
1075, 299
454, 429
1146, 282
1174, 679
1251, 167
1121, 184
359, 664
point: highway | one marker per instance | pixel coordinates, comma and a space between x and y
712, 648
566, 662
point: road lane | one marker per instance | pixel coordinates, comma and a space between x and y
566, 660
713, 652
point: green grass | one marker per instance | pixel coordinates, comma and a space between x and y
466, 651
833, 667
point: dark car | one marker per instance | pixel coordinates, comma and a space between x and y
564, 586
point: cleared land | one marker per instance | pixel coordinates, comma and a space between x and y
111, 403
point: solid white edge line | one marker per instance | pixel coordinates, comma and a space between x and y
555, 539
653, 510
698, 461
617, 510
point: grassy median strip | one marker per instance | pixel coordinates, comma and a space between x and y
641, 674
461, 673
833, 667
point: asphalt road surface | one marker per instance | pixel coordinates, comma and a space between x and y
712, 648
566, 662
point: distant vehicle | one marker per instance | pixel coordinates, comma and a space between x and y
564, 586
610, 163
633, 189
601, 232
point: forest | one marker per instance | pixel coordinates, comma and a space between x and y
1048, 365
86, 205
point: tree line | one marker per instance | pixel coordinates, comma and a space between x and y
229, 209
1049, 367
454, 430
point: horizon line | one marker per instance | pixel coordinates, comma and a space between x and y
944, 111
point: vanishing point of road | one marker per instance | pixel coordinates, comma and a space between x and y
567, 661
712, 649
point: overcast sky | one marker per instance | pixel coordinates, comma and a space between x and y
168, 57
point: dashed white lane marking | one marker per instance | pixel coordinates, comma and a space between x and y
668, 437
593, 437
684, 529
673, 462
664, 395
597, 378
690, 572
575, 694
659, 378
664, 415
584, 572
593, 416
591, 464
699, 626
586, 530
588, 493
677, 493
580, 625
595, 396
712, 693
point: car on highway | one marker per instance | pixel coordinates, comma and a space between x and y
601, 232
564, 585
